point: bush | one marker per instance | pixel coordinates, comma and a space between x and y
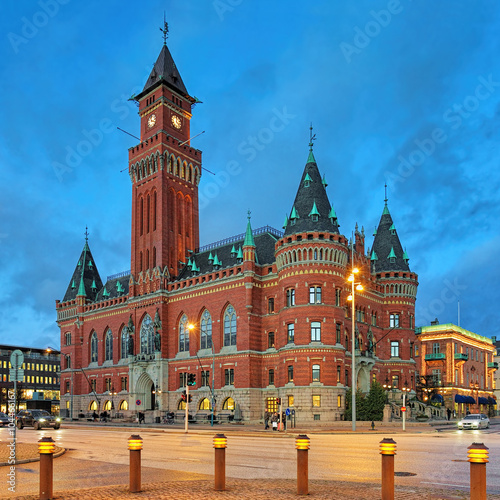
368, 406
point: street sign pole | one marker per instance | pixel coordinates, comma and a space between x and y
186, 418
16, 362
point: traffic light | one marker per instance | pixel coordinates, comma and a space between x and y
278, 401
184, 396
191, 380
190, 398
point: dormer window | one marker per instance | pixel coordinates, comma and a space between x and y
392, 229
210, 259
307, 181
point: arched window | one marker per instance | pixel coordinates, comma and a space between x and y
204, 404
108, 405
108, 346
93, 348
183, 335
141, 216
124, 344
154, 210
230, 326
124, 404
206, 330
181, 405
228, 404
147, 335
93, 406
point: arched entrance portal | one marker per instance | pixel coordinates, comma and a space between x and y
144, 392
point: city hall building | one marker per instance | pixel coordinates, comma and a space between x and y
258, 316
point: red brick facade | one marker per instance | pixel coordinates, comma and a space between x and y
303, 283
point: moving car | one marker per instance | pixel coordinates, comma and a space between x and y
38, 419
4, 419
476, 421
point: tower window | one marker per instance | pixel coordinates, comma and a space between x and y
315, 331
394, 320
290, 297
315, 295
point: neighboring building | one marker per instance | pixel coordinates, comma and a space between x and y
457, 367
496, 359
270, 309
40, 385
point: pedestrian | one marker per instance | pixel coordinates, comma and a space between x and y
95, 416
274, 421
448, 411
266, 420
141, 417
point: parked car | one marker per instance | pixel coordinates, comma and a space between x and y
4, 419
476, 421
37, 419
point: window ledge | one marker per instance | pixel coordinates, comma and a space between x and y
182, 355
108, 362
227, 349
94, 364
316, 384
205, 352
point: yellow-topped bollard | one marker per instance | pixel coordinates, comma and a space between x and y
478, 457
220, 445
387, 450
135, 447
302, 443
46, 448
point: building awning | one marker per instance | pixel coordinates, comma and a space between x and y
483, 401
492, 401
437, 397
470, 400
459, 398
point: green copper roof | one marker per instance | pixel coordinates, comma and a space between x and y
210, 257
105, 293
93, 286
119, 287
286, 222
314, 210
324, 181
81, 289
73, 285
375, 232
310, 158
307, 180
233, 251
217, 262
249, 241
374, 256
386, 210
391, 255
405, 256
240, 254
294, 214
332, 214
392, 228
195, 268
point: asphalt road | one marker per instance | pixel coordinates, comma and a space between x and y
100, 457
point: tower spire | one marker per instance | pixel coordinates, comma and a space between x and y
312, 137
164, 30
86, 234
385, 199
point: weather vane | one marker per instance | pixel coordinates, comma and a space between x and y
164, 30
311, 137
385, 186
249, 214
86, 234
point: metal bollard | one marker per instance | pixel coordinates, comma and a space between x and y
220, 445
388, 450
302, 444
46, 448
478, 458
135, 447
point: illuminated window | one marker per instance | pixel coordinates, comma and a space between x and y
270, 340
315, 373
290, 401
316, 401
183, 335
228, 404
394, 349
290, 332
290, 373
394, 320
147, 335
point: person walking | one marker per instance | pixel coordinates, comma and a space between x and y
266, 420
448, 411
274, 421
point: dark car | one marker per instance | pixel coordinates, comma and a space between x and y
4, 419
37, 419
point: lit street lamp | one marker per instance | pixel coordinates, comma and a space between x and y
358, 287
387, 386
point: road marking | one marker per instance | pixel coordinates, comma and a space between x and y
446, 484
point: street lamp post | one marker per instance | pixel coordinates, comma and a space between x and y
358, 287
386, 386
405, 390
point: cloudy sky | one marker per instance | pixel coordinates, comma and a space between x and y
398, 91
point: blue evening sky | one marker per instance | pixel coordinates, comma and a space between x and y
398, 91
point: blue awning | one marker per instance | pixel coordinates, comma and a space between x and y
459, 398
470, 400
483, 401
492, 401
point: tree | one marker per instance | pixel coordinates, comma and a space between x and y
368, 406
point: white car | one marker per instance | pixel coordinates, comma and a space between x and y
476, 421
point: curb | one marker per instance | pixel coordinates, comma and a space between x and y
29, 460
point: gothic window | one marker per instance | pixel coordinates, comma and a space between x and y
315, 331
93, 348
183, 335
108, 346
148, 211
315, 295
124, 344
147, 335
230, 326
141, 216
154, 210
394, 320
206, 330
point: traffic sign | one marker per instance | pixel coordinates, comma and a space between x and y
16, 374
16, 359
138, 402
403, 408
287, 411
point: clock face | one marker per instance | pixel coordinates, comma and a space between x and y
176, 122
151, 121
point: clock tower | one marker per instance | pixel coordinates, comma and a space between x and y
165, 172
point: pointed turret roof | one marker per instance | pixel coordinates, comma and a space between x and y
311, 197
85, 277
165, 71
387, 247
249, 241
